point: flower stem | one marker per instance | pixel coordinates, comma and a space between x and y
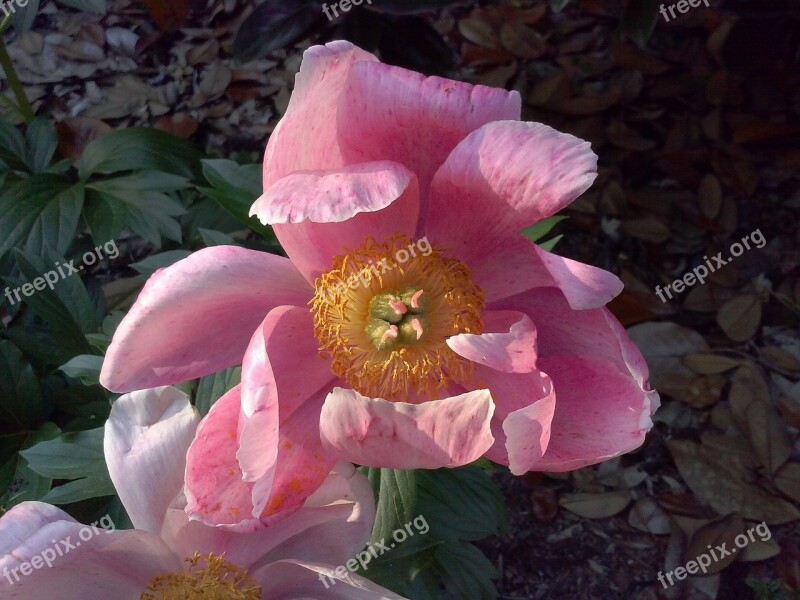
23, 106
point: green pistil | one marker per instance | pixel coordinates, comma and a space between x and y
397, 318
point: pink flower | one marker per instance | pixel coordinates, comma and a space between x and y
479, 343
147, 437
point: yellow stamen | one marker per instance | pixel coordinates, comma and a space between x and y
359, 300
217, 580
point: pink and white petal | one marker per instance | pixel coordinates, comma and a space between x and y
334, 524
215, 492
105, 564
600, 413
524, 411
217, 294
389, 113
503, 177
507, 344
312, 246
295, 579
147, 436
332, 196
302, 465
376, 433
306, 137
562, 331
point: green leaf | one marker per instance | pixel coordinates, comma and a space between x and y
67, 306
536, 232
558, 5
460, 504
235, 187
467, 573
639, 20
85, 367
12, 147
21, 403
397, 498
42, 143
80, 489
212, 387
551, 243
70, 456
29, 485
273, 25
139, 148
42, 210
153, 263
92, 6
216, 238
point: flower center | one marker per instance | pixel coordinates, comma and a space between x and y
217, 580
383, 315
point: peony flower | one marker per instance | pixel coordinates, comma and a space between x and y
45, 553
413, 326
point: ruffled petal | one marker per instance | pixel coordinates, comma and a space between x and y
218, 295
147, 436
374, 432
507, 344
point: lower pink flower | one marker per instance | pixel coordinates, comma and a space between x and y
169, 556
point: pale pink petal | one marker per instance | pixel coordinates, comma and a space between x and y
389, 113
562, 331
524, 411
146, 439
296, 580
284, 382
334, 524
332, 196
503, 177
600, 412
86, 561
197, 316
25, 519
215, 492
397, 435
507, 344
312, 246
306, 137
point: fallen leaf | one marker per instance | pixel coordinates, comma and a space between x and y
740, 317
596, 506
715, 534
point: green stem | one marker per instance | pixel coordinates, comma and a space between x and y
24, 107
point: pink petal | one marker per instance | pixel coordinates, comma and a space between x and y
146, 439
397, 435
368, 204
503, 177
514, 264
524, 411
215, 492
284, 382
600, 413
508, 343
562, 331
197, 316
306, 137
332, 196
92, 563
334, 524
389, 113
289, 579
